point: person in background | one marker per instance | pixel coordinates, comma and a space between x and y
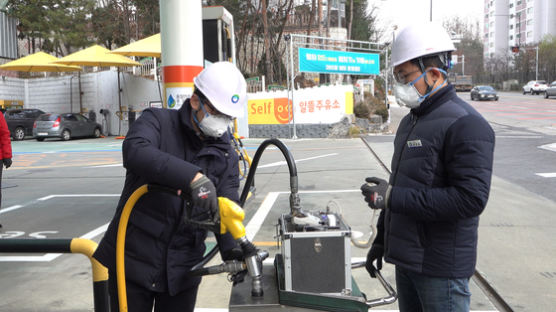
5, 149
440, 181
187, 149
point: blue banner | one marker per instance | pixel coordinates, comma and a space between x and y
338, 62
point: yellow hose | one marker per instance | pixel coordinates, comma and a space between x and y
120, 244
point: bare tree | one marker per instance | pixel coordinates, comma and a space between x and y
268, 68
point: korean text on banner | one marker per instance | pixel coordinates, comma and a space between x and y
338, 62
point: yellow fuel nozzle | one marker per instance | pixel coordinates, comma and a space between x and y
231, 218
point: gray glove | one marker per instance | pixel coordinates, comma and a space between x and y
203, 197
376, 192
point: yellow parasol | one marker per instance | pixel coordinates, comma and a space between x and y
38, 62
149, 46
96, 56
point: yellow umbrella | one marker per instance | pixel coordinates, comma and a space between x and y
96, 56
149, 46
38, 62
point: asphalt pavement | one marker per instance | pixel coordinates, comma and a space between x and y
70, 189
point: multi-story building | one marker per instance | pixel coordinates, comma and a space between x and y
514, 23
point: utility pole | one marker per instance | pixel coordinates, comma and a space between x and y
431, 11
537, 64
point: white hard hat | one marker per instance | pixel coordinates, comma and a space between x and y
224, 86
420, 40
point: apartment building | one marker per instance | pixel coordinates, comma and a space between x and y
511, 23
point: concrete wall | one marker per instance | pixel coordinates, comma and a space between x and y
99, 91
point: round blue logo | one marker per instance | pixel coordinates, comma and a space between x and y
235, 98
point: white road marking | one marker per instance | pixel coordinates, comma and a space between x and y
257, 220
41, 234
10, 208
106, 166
549, 147
51, 256
280, 163
547, 174
78, 195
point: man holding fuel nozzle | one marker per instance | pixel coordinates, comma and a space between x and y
440, 181
187, 150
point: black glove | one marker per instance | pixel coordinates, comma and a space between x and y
375, 253
7, 162
203, 197
374, 192
233, 254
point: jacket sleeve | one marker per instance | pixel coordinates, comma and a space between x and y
467, 157
142, 155
5, 143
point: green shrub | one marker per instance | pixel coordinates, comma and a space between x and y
354, 132
362, 110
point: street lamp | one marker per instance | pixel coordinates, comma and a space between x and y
431, 11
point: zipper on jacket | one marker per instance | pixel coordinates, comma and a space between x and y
414, 119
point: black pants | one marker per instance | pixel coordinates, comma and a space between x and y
1, 168
140, 299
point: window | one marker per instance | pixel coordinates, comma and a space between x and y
70, 117
511, 37
511, 5
529, 34
529, 10
492, 45
81, 118
529, 22
512, 26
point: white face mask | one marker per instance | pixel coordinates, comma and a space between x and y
212, 125
408, 95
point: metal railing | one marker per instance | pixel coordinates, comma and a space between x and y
75, 245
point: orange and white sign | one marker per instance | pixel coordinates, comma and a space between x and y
311, 106
269, 111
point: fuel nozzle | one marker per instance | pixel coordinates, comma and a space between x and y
231, 220
254, 261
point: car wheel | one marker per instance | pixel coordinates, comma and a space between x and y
40, 139
19, 134
524, 92
66, 135
96, 134
546, 95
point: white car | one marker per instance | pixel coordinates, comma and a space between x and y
535, 87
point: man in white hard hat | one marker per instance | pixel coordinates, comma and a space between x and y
188, 150
440, 181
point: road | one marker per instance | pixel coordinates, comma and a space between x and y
70, 189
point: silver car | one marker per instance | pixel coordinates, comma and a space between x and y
551, 90
64, 126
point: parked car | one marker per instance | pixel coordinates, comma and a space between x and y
535, 87
483, 93
20, 121
65, 126
551, 90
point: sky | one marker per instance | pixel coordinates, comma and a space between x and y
404, 12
